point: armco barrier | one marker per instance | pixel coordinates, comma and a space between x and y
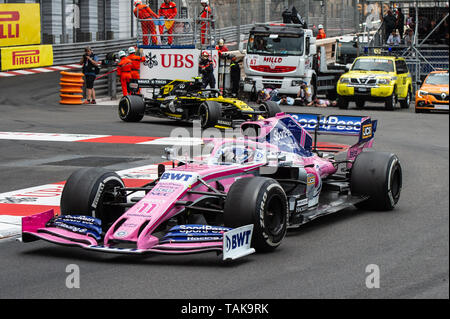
71, 87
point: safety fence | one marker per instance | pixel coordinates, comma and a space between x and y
420, 62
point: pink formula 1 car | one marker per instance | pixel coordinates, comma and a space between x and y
234, 197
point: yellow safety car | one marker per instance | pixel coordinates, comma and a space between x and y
376, 78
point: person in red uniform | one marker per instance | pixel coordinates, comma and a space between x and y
321, 34
204, 25
221, 47
148, 27
168, 10
124, 68
136, 64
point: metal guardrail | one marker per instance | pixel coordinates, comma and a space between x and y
72, 52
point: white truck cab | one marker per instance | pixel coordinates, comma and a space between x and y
279, 56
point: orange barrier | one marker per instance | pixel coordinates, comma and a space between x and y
71, 84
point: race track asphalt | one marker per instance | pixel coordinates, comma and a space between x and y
324, 259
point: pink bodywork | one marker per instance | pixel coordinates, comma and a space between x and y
138, 223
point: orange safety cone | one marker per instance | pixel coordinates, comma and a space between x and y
71, 84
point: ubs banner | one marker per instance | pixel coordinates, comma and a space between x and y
20, 24
173, 64
26, 57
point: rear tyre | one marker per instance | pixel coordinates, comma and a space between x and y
260, 201
87, 191
271, 108
209, 113
131, 108
377, 175
404, 104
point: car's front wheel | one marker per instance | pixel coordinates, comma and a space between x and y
209, 113
404, 104
391, 101
89, 192
131, 108
260, 201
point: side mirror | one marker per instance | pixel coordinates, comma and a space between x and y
312, 49
348, 67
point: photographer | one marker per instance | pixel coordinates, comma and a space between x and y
90, 67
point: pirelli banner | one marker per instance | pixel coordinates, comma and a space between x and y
30, 56
20, 24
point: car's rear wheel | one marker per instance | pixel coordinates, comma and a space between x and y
88, 192
270, 108
209, 113
131, 108
378, 176
260, 201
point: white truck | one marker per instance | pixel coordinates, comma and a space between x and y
281, 55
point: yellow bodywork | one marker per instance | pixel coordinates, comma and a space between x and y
385, 81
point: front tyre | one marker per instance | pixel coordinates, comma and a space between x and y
131, 108
342, 103
391, 101
209, 113
271, 108
404, 104
377, 175
262, 202
88, 192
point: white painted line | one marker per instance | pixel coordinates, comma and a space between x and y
12, 220
6, 74
8, 230
174, 141
51, 137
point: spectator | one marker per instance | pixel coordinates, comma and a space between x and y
394, 38
206, 69
263, 96
321, 34
90, 69
389, 23
322, 103
400, 22
168, 10
409, 37
303, 95
286, 100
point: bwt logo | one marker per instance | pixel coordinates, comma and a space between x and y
10, 29
238, 240
176, 176
25, 57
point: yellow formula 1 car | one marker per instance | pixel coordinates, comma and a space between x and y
186, 101
383, 79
